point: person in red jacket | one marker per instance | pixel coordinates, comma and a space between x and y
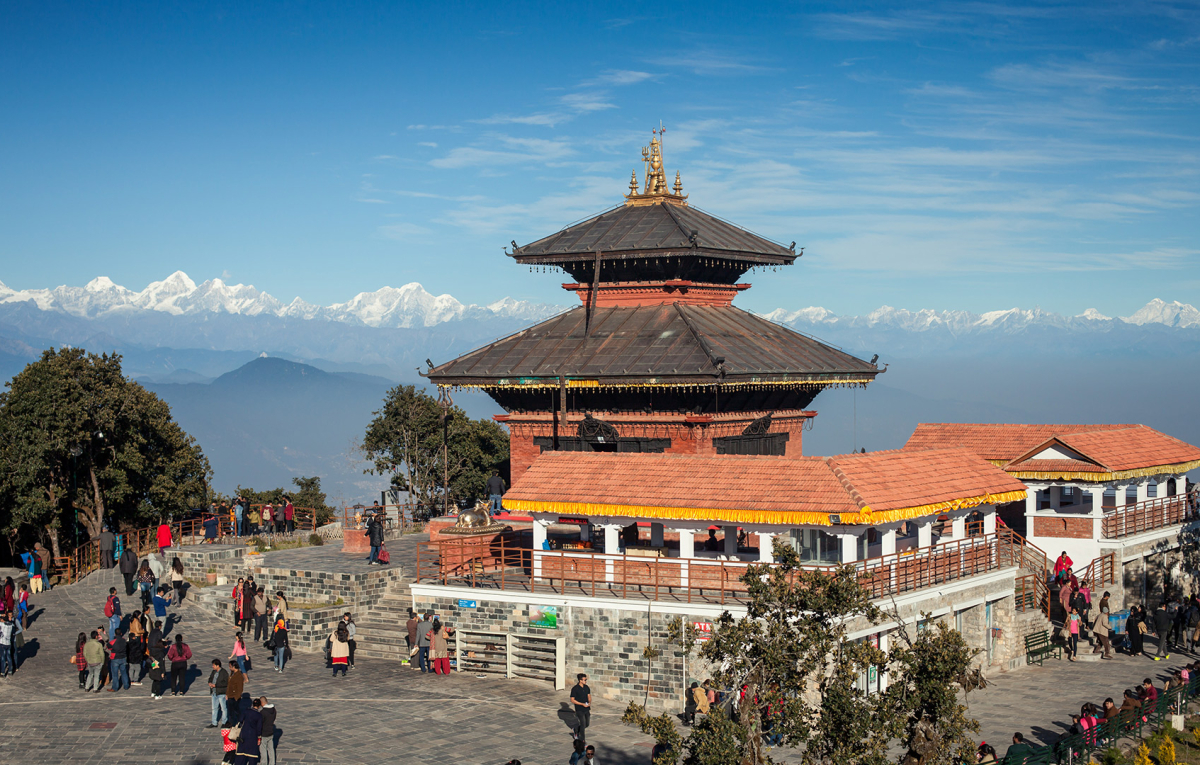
164, 537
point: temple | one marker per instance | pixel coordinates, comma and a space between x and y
656, 358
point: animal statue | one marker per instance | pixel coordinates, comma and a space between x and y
475, 518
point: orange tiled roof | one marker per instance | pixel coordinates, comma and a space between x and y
993, 441
861, 488
1109, 452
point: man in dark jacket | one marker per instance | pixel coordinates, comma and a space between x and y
218, 684
107, 540
129, 566
118, 661
375, 536
495, 490
1162, 628
1019, 752
268, 731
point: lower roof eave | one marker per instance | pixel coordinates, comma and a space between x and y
771, 379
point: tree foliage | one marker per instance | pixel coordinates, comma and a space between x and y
405, 442
306, 494
79, 439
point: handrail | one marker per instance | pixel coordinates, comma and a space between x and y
1150, 514
1102, 570
410, 516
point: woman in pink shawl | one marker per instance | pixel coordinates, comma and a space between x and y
1066, 591
1062, 566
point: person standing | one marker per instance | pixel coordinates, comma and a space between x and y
106, 539
374, 535
495, 490
260, 614
128, 564
1100, 630
145, 583
178, 655
253, 518
112, 609
1062, 567
118, 657
289, 517
268, 731
439, 649
247, 746
581, 701
1135, 630
410, 637
268, 518
350, 630
157, 675
164, 538
238, 654
211, 526
1073, 634
42, 581
80, 660
279, 636
233, 693
161, 600
423, 643
339, 650
6, 638
1162, 628
135, 649
218, 684
93, 653
238, 517
177, 579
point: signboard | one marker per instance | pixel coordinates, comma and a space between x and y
466, 603
703, 630
543, 616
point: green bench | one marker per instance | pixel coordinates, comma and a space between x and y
1038, 648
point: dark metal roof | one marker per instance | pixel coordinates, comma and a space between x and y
654, 229
670, 342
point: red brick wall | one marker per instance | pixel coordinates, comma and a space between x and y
1070, 528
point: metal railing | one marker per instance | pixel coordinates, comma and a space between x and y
1150, 514
1101, 571
407, 517
506, 561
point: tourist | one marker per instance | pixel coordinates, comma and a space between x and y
102, 636
233, 693
281, 605
423, 643
247, 744
410, 637
93, 654
253, 519
1100, 630
279, 639
10, 594
164, 538
155, 646
260, 614
986, 753
1110, 709
218, 684
268, 518
581, 701
135, 648
439, 650
350, 630
1019, 751
237, 601
118, 657
1062, 567
239, 652
238, 527
589, 755
1192, 621
249, 591
1072, 626
289, 517
374, 534
339, 649
6, 638
80, 661
23, 606
1148, 694
268, 731
177, 579
128, 563
112, 609
145, 583
1162, 628
1135, 631
106, 541
178, 655
161, 600
495, 490
211, 524
157, 675
579, 753
1132, 705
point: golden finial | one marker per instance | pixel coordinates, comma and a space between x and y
655, 189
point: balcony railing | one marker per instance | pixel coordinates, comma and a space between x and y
1150, 514
505, 562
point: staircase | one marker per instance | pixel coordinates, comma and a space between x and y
381, 632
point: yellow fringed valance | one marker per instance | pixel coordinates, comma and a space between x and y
776, 517
1066, 475
553, 384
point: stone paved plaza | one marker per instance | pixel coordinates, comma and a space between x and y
386, 712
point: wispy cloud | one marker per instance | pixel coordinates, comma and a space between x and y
713, 62
618, 77
586, 102
510, 150
548, 119
403, 232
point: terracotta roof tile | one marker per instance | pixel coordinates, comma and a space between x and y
1054, 466
994, 441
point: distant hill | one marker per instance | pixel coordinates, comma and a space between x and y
271, 420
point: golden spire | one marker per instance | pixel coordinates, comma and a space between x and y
655, 190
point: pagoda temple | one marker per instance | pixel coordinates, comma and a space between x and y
656, 358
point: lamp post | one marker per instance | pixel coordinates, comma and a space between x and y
75, 451
445, 403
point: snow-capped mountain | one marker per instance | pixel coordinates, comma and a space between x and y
398, 307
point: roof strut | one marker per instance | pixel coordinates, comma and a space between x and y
591, 308
718, 362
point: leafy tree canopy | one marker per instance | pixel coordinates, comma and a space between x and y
306, 494
405, 442
78, 439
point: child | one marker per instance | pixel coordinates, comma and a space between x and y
156, 675
23, 606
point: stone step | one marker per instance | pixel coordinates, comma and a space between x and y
1085, 654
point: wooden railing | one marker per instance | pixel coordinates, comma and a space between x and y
1150, 514
407, 517
1101, 571
507, 562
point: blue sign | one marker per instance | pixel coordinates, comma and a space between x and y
466, 604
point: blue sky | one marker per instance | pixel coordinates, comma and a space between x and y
957, 155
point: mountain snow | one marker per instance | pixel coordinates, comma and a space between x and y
412, 306
407, 306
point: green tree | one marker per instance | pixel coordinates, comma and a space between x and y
306, 494
79, 440
405, 442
